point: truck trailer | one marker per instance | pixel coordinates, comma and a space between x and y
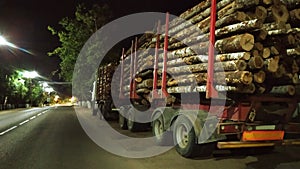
189, 101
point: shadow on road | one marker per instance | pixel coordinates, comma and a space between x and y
267, 158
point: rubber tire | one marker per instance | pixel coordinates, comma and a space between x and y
161, 136
131, 124
100, 112
94, 110
122, 122
189, 148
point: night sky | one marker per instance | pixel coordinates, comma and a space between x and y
25, 22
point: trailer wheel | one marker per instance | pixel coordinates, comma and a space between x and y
122, 117
185, 139
131, 124
162, 137
100, 112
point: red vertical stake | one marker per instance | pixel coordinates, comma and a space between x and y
164, 71
155, 76
131, 70
210, 90
134, 94
121, 94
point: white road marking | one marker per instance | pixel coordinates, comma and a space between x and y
8, 130
33, 117
20, 124
26, 121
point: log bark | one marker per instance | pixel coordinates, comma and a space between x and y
295, 17
235, 6
221, 78
202, 67
238, 28
287, 89
291, 4
192, 89
237, 43
204, 59
293, 52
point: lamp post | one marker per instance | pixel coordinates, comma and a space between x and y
30, 75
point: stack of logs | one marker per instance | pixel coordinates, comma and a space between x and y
257, 49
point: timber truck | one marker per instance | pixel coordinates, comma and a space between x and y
251, 102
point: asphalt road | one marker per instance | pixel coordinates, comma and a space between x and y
55, 140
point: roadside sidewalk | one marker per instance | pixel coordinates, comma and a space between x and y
13, 110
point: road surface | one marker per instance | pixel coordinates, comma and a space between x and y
56, 140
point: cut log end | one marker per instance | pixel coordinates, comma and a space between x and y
256, 62
247, 78
280, 13
259, 77
247, 42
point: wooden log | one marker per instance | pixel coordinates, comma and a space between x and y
280, 71
291, 4
280, 13
266, 53
197, 18
202, 67
235, 6
295, 17
256, 62
227, 20
295, 67
238, 28
259, 77
192, 89
221, 78
195, 10
260, 13
274, 50
237, 43
204, 59
147, 83
287, 89
272, 64
293, 52
260, 35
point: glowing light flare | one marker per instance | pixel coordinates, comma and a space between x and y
4, 42
30, 74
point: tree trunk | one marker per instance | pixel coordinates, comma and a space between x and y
204, 59
221, 78
237, 43
240, 65
287, 89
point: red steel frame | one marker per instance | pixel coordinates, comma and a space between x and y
155, 76
210, 90
121, 93
164, 70
133, 94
